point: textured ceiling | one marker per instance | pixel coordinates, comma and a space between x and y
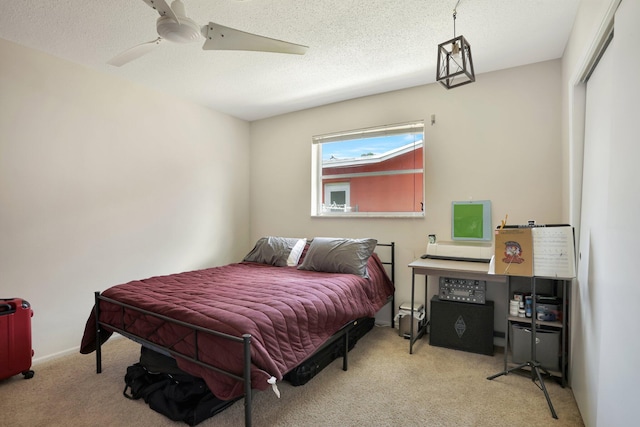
356, 47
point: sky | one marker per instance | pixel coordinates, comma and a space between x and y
355, 148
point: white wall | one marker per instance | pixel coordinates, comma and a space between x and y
497, 139
103, 182
604, 348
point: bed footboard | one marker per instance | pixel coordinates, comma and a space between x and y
197, 330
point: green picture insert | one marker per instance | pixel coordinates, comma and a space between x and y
468, 221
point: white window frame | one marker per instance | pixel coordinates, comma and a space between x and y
328, 206
318, 206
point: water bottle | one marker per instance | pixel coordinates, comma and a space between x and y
528, 305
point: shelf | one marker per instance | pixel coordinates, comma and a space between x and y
527, 320
560, 288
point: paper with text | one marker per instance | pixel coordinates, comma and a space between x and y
554, 252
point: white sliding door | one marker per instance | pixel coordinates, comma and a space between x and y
592, 231
605, 374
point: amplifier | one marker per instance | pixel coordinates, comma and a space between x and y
462, 290
466, 327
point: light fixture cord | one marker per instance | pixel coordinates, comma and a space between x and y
454, 18
454, 23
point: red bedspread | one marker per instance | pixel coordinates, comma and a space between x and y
288, 312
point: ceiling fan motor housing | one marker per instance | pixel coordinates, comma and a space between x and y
186, 31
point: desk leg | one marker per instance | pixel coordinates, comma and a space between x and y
507, 324
411, 331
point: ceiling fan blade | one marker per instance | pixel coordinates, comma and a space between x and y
162, 8
134, 53
219, 37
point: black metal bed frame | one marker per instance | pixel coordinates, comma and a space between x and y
343, 334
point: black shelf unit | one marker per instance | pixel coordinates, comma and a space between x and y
559, 288
532, 366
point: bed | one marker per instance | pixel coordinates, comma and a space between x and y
243, 326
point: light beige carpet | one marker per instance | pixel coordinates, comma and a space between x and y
384, 386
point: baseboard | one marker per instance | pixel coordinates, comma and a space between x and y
54, 356
63, 353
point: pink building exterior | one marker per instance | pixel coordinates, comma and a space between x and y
373, 190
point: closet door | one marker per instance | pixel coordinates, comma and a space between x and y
605, 362
590, 292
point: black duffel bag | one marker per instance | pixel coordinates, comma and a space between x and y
180, 397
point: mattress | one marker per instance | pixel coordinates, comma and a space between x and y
288, 312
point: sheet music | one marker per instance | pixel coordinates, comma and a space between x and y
553, 252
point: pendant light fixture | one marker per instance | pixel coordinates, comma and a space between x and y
455, 66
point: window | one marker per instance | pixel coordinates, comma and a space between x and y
369, 172
337, 197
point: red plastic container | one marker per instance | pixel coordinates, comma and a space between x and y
15, 338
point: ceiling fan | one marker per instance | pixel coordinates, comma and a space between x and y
174, 25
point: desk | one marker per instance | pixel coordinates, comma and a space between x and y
437, 267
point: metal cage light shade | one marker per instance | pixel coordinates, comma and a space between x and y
455, 66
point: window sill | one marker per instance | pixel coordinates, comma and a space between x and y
369, 215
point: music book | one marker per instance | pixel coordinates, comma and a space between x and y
544, 251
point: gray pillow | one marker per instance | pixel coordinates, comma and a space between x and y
272, 250
334, 255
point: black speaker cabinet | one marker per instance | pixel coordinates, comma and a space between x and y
462, 326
